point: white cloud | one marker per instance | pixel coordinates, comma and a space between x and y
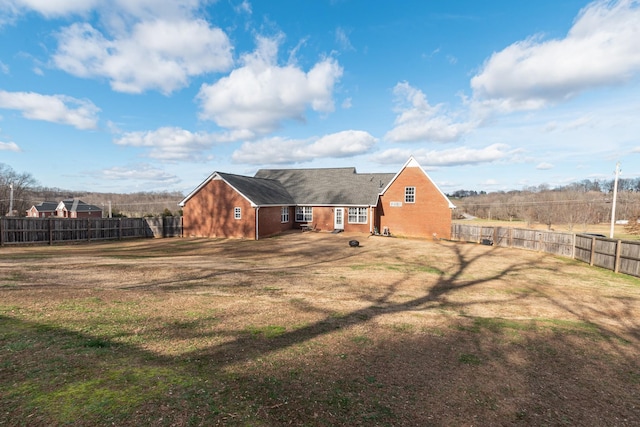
601, 49
158, 54
544, 166
420, 121
283, 151
56, 8
451, 157
140, 172
4, 68
81, 114
245, 7
342, 39
112, 12
9, 146
170, 143
260, 95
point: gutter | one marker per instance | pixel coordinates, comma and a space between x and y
257, 222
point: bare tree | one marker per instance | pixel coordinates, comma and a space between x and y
21, 183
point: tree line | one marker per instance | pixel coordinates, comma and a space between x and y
574, 205
27, 193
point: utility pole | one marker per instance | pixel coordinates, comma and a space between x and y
10, 213
615, 195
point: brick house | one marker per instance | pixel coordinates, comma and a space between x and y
68, 208
42, 210
76, 208
407, 203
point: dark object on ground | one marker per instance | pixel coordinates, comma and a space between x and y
487, 242
354, 243
594, 235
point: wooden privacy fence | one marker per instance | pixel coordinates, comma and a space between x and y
167, 226
15, 231
621, 256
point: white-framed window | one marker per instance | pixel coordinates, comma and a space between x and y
409, 194
357, 215
284, 214
237, 213
304, 214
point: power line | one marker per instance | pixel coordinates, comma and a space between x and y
533, 203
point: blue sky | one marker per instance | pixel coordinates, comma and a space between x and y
152, 95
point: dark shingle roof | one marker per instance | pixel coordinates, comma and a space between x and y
76, 205
260, 191
329, 186
46, 206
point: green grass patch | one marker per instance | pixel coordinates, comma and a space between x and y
112, 395
268, 331
469, 359
361, 340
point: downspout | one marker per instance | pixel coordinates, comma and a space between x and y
371, 218
257, 230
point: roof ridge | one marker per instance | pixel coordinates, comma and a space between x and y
307, 169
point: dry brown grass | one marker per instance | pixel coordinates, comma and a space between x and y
304, 330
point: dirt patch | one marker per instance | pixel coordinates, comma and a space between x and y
304, 329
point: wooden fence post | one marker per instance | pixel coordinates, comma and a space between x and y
593, 250
616, 266
50, 231
1, 232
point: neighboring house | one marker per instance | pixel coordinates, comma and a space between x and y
42, 210
69, 208
76, 208
407, 203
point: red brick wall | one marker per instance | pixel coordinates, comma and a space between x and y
269, 221
357, 228
428, 215
210, 213
94, 214
324, 220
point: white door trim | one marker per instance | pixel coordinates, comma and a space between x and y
338, 218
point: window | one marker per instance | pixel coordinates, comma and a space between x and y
357, 215
409, 194
237, 213
284, 214
304, 214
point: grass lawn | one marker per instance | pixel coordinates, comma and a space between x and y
303, 329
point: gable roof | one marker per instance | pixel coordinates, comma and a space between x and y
329, 186
412, 163
260, 192
46, 206
312, 187
77, 205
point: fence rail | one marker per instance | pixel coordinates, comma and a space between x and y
16, 231
620, 256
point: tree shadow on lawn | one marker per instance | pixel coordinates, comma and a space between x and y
343, 370
470, 373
